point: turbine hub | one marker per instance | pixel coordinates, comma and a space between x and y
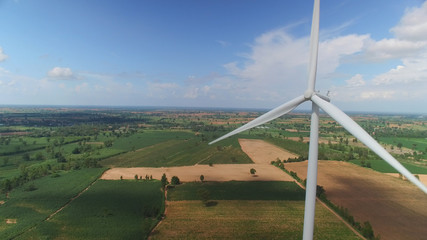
308, 94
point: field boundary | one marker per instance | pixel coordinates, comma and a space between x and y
71, 200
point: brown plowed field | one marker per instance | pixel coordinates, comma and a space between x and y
395, 208
262, 152
218, 172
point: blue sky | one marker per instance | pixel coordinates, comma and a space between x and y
251, 54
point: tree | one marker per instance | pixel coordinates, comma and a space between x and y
59, 157
320, 191
367, 230
136, 176
164, 180
39, 156
175, 180
76, 150
202, 178
108, 143
253, 171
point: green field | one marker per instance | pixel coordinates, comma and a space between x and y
419, 144
108, 210
180, 153
238, 190
33, 202
384, 167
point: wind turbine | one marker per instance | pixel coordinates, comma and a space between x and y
323, 102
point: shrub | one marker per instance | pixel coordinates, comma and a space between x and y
253, 171
175, 180
30, 188
202, 178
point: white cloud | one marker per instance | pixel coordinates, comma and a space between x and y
331, 51
403, 85
413, 25
372, 95
2, 55
61, 73
356, 81
392, 49
275, 69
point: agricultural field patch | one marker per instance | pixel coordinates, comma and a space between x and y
148, 138
238, 190
33, 202
243, 219
415, 144
108, 210
384, 167
262, 152
395, 208
216, 172
178, 153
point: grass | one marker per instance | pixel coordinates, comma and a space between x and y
29, 208
238, 190
178, 153
384, 167
108, 210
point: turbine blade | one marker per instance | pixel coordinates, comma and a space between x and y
275, 113
364, 137
314, 44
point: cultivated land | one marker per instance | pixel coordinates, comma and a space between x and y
262, 152
218, 172
58, 152
395, 208
243, 210
248, 219
27, 207
107, 210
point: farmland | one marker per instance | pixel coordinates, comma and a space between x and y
48, 156
35, 201
243, 210
373, 196
178, 153
133, 207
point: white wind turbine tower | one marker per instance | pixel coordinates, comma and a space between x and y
345, 121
